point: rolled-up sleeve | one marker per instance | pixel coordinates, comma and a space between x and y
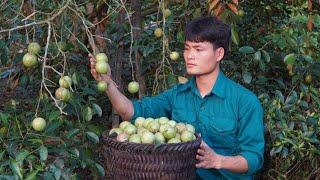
251, 133
155, 106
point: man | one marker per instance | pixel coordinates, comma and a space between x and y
228, 116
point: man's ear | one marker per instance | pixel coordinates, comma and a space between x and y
219, 53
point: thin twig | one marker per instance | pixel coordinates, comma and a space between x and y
131, 34
39, 22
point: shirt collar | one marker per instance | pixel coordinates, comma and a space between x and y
218, 88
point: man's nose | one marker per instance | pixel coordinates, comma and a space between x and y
190, 54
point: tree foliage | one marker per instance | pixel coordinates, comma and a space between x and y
275, 52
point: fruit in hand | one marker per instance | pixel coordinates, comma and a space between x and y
101, 57
102, 67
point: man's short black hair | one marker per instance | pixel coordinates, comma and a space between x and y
209, 29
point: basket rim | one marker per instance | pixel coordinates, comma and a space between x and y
142, 146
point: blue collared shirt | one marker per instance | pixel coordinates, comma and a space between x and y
229, 119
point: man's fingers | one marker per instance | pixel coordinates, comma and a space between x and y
201, 152
90, 55
201, 164
92, 63
200, 158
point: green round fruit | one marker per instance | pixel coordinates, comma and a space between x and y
115, 130
29, 60
308, 78
153, 126
65, 82
191, 128
63, 94
174, 55
139, 122
135, 138
34, 48
181, 127
38, 124
133, 87
147, 137
163, 127
163, 120
158, 32
174, 140
186, 136
146, 122
122, 137
101, 57
178, 136
141, 130
123, 124
102, 67
169, 133
240, 13
130, 129
102, 86
172, 123
159, 138
166, 13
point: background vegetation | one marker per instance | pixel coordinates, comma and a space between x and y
275, 52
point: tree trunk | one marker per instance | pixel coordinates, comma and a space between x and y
136, 23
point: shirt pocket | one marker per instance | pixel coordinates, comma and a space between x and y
221, 131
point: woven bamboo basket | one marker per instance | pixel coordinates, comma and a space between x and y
126, 160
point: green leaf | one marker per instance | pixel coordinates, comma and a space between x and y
100, 170
53, 126
43, 152
234, 35
75, 78
247, 77
279, 95
307, 58
97, 109
22, 155
72, 133
266, 56
275, 150
291, 99
290, 58
1, 154
54, 115
87, 113
92, 137
246, 50
15, 168
32, 175
75, 152
257, 56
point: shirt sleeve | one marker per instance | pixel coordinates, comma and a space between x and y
251, 133
155, 106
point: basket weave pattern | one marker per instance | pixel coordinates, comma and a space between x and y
125, 160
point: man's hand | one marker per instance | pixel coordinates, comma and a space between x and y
96, 76
208, 158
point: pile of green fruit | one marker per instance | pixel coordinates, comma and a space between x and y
153, 131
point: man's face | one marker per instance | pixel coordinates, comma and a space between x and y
200, 57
